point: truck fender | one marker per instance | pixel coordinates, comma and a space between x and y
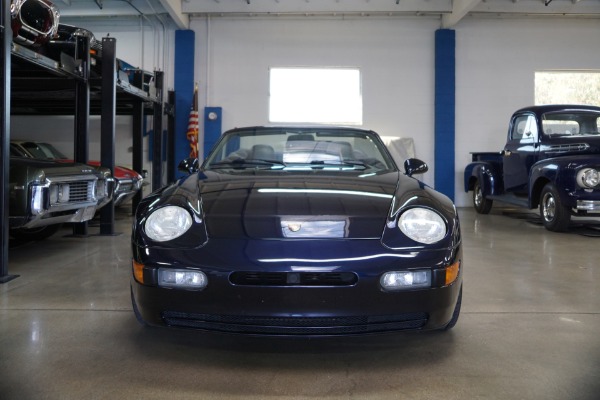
484, 174
542, 173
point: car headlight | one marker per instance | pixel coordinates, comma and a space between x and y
588, 178
422, 225
100, 188
168, 223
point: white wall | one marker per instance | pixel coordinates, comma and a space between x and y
496, 60
395, 57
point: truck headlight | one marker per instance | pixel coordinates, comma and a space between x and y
167, 223
422, 225
588, 178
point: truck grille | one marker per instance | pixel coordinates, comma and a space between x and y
81, 191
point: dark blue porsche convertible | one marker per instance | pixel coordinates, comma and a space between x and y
310, 231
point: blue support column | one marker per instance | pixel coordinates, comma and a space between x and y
184, 91
445, 89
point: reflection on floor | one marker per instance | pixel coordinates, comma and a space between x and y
528, 330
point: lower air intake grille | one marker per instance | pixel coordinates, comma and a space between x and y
294, 278
297, 325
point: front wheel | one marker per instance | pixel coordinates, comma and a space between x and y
555, 216
481, 204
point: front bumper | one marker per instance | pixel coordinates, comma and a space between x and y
362, 307
588, 205
125, 189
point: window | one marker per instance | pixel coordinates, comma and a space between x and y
315, 95
524, 129
567, 87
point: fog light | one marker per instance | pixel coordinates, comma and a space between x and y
181, 278
398, 280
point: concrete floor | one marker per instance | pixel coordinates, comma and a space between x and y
529, 329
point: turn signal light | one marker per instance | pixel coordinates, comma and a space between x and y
138, 271
452, 272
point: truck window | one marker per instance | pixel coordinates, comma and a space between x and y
524, 129
557, 127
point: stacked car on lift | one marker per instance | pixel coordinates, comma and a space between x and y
46, 193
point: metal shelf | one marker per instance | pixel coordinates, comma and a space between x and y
35, 84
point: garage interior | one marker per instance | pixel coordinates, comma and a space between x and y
530, 317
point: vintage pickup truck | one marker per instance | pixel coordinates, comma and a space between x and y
551, 160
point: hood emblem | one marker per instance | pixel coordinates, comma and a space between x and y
294, 226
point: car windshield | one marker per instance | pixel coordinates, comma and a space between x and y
331, 149
571, 123
43, 151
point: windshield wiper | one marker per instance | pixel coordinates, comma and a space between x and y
338, 164
245, 163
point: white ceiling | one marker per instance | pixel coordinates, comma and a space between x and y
450, 12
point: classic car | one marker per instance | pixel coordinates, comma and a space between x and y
45, 194
33, 22
61, 47
127, 181
309, 231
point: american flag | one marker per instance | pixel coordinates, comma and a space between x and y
193, 127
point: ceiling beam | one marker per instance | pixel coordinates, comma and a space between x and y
314, 6
174, 9
460, 8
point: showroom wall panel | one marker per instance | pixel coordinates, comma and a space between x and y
395, 57
496, 60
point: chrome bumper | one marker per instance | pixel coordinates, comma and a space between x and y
588, 205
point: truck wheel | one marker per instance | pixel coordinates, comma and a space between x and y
555, 216
481, 204
40, 233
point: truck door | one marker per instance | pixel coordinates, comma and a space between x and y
520, 153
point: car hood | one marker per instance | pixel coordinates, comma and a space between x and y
121, 173
296, 206
48, 169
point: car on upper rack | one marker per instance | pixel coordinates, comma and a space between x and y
127, 181
45, 194
300, 231
33, 22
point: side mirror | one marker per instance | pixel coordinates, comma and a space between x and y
415, 166
189, 165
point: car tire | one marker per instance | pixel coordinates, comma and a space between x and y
456, 312
40, 233
136, 311
555, 216
481, 204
